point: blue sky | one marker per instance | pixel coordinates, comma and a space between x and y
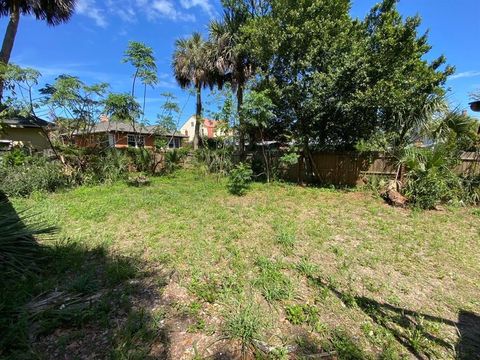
91, 45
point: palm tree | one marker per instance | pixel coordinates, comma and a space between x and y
193, 66
232, 60
54, 12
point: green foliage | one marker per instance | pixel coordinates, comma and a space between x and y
17, 79
173, 159
122, 108
273, 284
335, 80
105, 167
143, 159
302, 314
18, 91
239, 179
18, 248
41, 176
289, 159
76, 105
216, 161
471, 189
244, 322
15, 157
258, 109
430, 180
432, 177
166, 119
140, 56
194, 67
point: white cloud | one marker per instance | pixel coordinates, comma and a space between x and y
129, 10
89, 8
167, 9
205, 5
465, 74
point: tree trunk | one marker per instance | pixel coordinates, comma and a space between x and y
8, 42
144, 101
198, 118
265, 158
134, 80
241, 132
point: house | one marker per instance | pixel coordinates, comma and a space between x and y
122, 135
26, 131
208, 128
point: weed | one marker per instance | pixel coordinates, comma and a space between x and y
286, 238
120, 270
133, 339
207, 290
306, 268
302, 314
346, 348
244, 322
273, 284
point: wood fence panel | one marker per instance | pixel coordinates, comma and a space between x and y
349, 168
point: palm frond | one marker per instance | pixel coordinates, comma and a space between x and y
19, 249
54, 12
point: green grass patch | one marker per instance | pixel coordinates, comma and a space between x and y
357, 260
272, 282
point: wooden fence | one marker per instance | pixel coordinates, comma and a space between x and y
351, 168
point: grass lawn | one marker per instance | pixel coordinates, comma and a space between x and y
181, 269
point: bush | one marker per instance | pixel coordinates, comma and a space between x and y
431, 188
217, 161
173, 159
25, 179
471, 189
142, 159
17, 156
239, 179
430, 178
106, 167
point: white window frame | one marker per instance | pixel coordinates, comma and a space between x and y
174, 143
138, 140
6, 145
111, 140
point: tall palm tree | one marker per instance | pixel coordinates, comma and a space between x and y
193, 66
232, 60
54, 12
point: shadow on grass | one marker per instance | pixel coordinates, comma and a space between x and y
79, 302
417, 331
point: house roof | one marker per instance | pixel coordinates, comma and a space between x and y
206, 122
20, 121
475, 105
114, 126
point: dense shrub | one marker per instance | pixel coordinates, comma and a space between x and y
142, 159
173, 159
215, 161
471, 189
105, 167
431, 179
24, 179
15, 157
239, 179
427, 189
